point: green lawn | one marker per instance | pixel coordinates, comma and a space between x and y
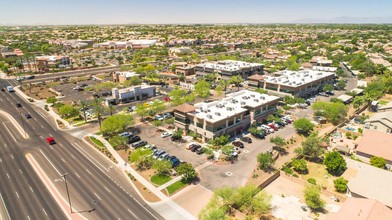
320, 174
97, 142
175, 187
383, 102
159, 179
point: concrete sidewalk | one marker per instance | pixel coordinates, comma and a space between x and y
175, 211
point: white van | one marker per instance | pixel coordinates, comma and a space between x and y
10, 89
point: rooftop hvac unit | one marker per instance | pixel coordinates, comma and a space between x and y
262, 97
243, 103
218, 113
209, 116
252, 95
208, 110
303, 80
256, 100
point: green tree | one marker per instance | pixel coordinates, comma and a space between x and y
111, 109
340, 184
278, 141
313, 199
213, 214
157, 123
142, 158
98, 109
68, 111
202, 89
158, 106
141, 110
341, 84
374, 90
358, 101
162, 166
328, 88
261, 91
177, 96
311, 147
187, 171
303, 126
220, 141
51, 100
335, 163
300, 166
84, 105
116, 124
266, 161
378, 162
119, 142
335, 112
133, 81
223, 83
236, 80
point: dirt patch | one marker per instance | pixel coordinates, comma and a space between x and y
147, 194
39, 92
124, 154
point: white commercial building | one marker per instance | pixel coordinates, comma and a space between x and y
228, 68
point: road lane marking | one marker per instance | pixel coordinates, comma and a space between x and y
50, 135
106, 189
40, 114
88, 172
8, 176
1, 161
5, 145
77, 174
45, 212
41, 137
97, 196
33, 127
28, 217
61, 145
6, 210
50, 162
31, 189
12, 156
20, 171
63, 160
73, 156
51, 147
9, 131
42, 126
80, 149
133, 214
17, 195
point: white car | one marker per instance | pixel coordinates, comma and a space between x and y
166, 134
265, 127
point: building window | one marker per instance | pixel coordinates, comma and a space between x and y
231, 123
238, 120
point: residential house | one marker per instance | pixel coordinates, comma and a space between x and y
120, 77
374, 143
381, 121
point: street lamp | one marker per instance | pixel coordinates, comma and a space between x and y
66, 186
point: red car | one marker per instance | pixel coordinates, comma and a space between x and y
167, 99
50, 140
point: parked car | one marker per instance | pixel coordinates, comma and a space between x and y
162, 156
330, 92
267, 128
200, 150
158, 153
158, 117
323, 94
281, 123
139, 144
175, 161
246, 140
166, 134
167, 115
238, 144
126, 134
194, 147
133, 139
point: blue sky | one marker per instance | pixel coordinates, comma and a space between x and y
184, 11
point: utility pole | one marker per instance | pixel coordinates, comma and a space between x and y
66, 186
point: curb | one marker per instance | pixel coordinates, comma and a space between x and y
15, 123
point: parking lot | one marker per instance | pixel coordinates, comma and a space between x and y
70, 94
153, 136
236, 174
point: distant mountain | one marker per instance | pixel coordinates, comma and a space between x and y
347, 20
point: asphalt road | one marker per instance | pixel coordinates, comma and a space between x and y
82, 72
97, 189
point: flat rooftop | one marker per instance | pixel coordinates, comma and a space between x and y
233, 104
296, 78
228, 65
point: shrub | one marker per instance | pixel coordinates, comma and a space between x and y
300, 165
340, 184
378, 162
288, 170
335, 163
312, 181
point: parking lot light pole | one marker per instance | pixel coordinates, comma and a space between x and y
66, 186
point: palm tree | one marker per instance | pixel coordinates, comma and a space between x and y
98, 109
111, 108
84, 104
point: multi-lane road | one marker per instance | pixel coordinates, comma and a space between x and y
97, 188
